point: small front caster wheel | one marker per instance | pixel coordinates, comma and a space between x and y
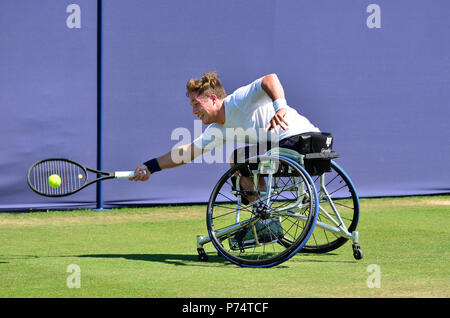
357, 252
202, 256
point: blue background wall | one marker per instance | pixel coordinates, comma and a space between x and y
47, 95
383, 92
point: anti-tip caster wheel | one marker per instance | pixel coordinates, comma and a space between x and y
357, 251
202, 256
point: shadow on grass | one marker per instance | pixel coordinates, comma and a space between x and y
16, 256
174, 259
188, 259
4, 257
191, 259
320, 258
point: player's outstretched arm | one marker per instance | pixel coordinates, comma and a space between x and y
178, 156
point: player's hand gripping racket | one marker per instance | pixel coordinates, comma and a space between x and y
71, 177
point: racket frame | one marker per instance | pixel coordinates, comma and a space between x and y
106, 176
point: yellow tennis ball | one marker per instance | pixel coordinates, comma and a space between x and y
54, 181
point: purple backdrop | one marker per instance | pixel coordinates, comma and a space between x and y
383, 92
47, 96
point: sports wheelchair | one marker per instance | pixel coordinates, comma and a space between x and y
290, 203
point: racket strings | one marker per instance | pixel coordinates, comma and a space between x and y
72, 176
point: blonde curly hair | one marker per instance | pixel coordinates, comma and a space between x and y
206, 86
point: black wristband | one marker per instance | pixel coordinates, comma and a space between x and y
152, 165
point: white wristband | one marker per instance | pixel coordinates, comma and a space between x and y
279, 103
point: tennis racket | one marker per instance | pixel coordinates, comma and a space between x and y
74, 176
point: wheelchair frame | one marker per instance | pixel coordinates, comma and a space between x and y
337, 226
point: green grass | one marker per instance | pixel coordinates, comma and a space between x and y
151, 252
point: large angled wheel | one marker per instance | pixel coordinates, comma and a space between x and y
255, 207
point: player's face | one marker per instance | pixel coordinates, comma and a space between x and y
203, 107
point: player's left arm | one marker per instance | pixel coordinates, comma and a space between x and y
272, 86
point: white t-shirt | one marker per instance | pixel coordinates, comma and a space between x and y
248, 111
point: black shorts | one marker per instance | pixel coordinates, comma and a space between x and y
295, 142
311, 142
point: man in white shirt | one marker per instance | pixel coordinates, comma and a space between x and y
257, 107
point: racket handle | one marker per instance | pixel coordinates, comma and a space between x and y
123, 174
